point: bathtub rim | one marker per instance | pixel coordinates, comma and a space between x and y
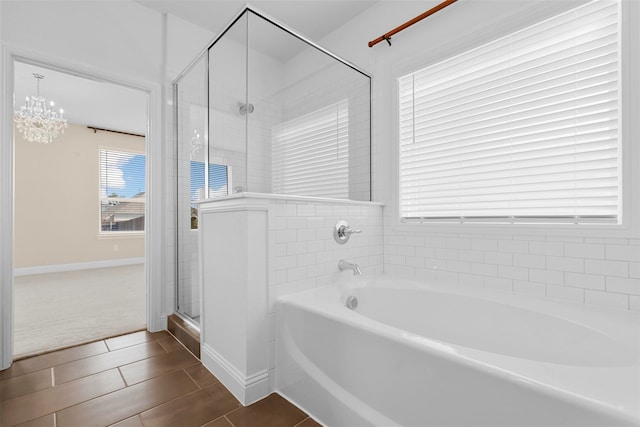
617, 323
325, 301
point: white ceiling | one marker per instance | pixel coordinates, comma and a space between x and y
87, 102
311, 18
111, 106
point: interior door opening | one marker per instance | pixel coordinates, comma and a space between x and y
79, 213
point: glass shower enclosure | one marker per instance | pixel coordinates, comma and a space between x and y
264, 110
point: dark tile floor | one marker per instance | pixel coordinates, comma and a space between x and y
140, 379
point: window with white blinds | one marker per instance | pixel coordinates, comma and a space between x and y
310, 154
122, 191
522, 129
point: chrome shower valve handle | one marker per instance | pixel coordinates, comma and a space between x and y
342, 231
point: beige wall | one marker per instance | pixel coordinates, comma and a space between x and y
57, 208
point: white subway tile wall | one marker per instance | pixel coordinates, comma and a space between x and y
303, 254
601, 272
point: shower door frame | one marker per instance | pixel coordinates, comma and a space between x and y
176, 137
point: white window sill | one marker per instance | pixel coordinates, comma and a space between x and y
120, 235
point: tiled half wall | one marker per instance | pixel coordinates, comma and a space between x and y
304, 255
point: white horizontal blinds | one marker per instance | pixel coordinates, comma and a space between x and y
196, 190
219, 180
311, 154
523, 127
122, 191
196, 181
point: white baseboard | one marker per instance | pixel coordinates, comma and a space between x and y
247, 389
57, 268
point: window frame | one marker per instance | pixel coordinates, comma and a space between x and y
119, 234
629, 131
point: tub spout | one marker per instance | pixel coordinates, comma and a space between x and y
345, 265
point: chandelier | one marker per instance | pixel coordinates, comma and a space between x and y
36, 120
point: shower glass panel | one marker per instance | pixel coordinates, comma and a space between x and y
192, 167
286, 117
265, 111
227, 115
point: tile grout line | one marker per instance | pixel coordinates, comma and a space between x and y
191, 378
102, 370
139, 414
48, 352
118, 366
125, 386
135, 343
122, 376
124, 335
217, 381
305, 419
166, 350
93, 398
55, 365
103, 340
228, 420
174, 399
139, 417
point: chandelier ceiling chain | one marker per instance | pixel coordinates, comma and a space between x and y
36, 120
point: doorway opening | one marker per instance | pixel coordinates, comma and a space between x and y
80, 208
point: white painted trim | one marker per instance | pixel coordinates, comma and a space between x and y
247, 389
155, 247
290, 198
57, 268
155, 252
233, 205
6, 207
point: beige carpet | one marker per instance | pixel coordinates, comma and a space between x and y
61, 309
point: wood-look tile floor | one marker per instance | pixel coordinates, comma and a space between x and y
140, 379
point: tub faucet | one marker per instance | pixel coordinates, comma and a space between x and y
345, 265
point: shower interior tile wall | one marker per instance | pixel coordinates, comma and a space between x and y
303, 254
266, 115
594, 271
227, 137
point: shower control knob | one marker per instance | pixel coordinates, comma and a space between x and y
342, 232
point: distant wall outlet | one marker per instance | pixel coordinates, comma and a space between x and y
116, 248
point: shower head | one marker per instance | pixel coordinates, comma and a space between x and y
246, 109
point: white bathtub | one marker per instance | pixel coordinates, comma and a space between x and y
416, 355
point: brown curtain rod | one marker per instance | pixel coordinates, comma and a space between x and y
95, 129
387, 36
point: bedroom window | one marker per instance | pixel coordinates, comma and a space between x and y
122, 191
